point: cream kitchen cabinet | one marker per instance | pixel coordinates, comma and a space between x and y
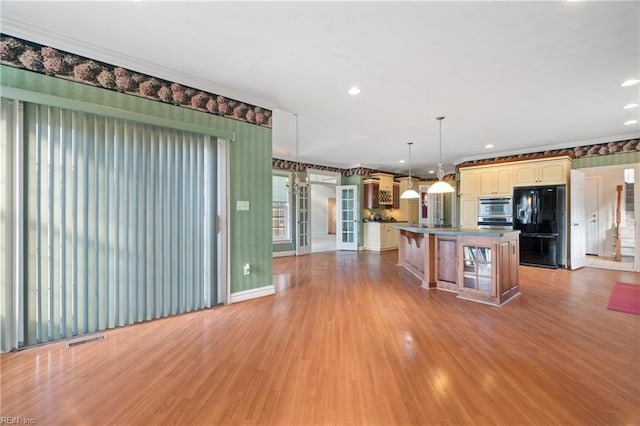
468, 183
494, 181
500, 179
469, 212
542, 172
380, 236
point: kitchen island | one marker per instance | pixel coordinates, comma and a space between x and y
478, 264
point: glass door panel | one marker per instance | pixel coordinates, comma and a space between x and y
303, 233
347, 199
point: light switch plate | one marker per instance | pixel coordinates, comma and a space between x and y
242, 206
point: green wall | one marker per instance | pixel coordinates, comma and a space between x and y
249, 166
607, 160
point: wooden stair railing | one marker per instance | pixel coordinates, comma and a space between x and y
618, 255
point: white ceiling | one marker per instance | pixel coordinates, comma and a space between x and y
523, 76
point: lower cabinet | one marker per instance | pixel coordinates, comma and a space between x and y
489, 269
478, 270
468, 212
446, 273
411, 253
509, 259
380, 236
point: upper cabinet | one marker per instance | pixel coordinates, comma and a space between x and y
468, 183
542, 172
371, 194
486, 181
385, 193
396, 196
499, 179
495, 180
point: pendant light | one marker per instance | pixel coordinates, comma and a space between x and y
441, 186
410, 193
297, 182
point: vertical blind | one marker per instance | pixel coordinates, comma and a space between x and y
119, 222
6, 225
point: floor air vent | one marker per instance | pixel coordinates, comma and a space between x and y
87, 340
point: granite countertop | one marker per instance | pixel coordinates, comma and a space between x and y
417, 229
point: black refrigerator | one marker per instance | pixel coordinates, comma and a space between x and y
539, 214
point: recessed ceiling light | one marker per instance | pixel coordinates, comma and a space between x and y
629, 106
630, 82
431, 172
489, 146
354, 91
630, 122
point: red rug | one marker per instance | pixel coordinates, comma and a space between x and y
625, 298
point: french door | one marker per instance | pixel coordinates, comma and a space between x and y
347, 217
303, 224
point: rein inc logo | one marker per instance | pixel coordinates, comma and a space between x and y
5, 420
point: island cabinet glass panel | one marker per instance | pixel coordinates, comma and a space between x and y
477, 269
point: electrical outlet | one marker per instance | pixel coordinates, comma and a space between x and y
247, 269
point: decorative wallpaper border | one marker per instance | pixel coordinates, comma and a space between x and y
19, 53
610, 148
585, 151
281, 164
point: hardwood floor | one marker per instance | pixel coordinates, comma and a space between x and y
350, 338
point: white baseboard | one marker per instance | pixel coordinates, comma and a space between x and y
254, 293
284, 253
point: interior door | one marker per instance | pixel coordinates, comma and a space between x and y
576, 214
303, 224
592, 225
347, 217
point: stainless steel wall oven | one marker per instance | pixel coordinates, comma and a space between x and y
495, 213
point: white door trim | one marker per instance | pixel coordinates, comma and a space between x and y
223, 258
594, 184
576, 222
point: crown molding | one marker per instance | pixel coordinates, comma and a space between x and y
91, 51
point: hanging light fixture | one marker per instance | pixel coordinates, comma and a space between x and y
410, 192
298, 183
441, 186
